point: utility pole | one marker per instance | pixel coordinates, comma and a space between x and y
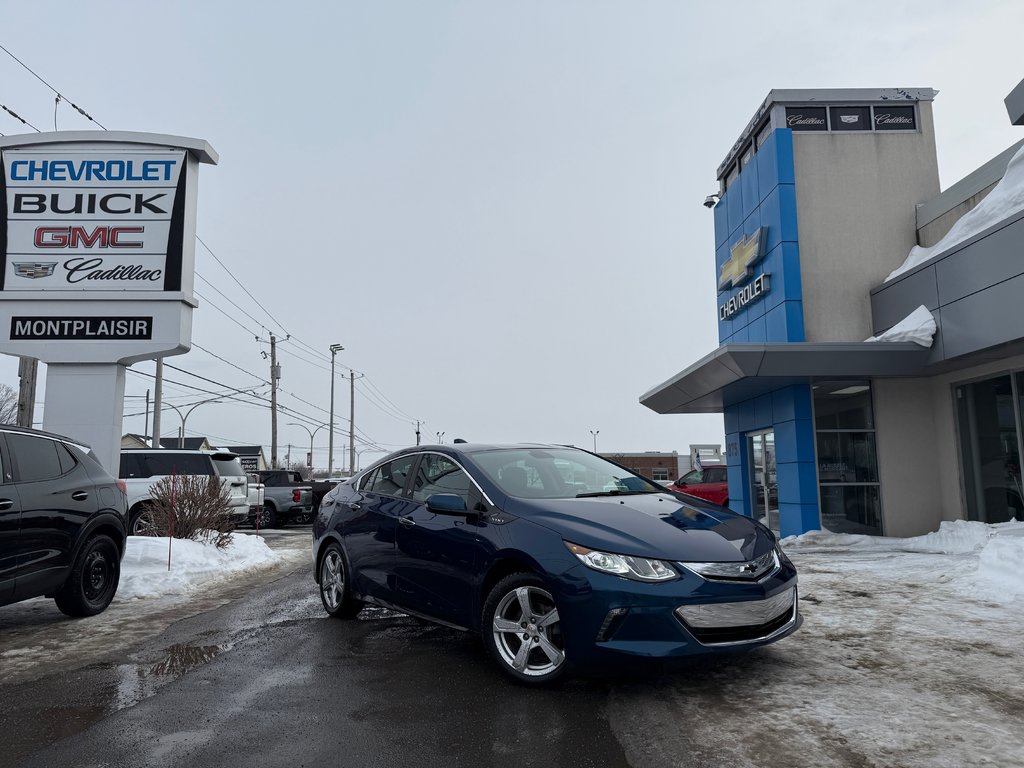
417, 433
28, 367
158, 401
352, 425
275, 375
335, 349
145, 429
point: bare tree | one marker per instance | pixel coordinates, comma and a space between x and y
8, 404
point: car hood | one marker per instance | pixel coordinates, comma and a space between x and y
657, 525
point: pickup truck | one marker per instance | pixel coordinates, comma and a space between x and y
286, 498
284, 477
257, 493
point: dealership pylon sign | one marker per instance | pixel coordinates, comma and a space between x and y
97, 236
97, 233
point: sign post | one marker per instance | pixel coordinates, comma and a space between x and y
97, 237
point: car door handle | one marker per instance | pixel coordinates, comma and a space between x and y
408, 522
79, 495
354, 506
5, 504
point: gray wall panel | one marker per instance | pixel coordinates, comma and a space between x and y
984, 319
993, 259
898, 299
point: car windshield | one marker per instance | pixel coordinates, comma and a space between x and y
558, 473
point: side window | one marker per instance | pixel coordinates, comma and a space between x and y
129, 466
692, 477
66, 458
368, 480
439, 474
389, 479
167, 463
36, 456
716, 475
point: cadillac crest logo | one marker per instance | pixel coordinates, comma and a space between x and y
34, 269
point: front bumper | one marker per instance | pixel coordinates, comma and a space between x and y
604, 617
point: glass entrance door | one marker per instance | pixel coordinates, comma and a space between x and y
764, 488
989, 415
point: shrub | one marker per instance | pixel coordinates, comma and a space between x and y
200, 509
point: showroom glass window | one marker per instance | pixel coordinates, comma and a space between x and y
844, 425
989, 423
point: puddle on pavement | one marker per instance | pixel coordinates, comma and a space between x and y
136, 682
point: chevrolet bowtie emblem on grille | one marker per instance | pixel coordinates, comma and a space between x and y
737, 268
34, 269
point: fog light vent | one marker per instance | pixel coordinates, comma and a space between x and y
611, 624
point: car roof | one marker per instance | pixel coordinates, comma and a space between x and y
42, 433
196, 451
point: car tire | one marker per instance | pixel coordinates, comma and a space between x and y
304, 518
335, 587
527, 648
93, 580
141, 522
269, 518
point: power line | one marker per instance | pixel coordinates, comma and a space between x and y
16, 116
229, 317
228, 362
231, 274
58, 93
232, 303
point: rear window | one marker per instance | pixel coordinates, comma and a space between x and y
229, 467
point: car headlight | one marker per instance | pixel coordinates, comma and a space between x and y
627, 566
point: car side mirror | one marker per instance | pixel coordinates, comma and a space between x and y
446, 504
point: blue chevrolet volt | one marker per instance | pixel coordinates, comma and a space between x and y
558, 557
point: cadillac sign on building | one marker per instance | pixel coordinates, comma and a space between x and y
97, 236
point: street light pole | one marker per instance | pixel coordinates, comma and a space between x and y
594, 434
311, 434
181, 437
335, 349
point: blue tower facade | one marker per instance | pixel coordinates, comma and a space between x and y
759, 204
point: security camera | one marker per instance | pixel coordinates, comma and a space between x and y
710, 200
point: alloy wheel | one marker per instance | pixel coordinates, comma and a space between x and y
527, 633
332, 580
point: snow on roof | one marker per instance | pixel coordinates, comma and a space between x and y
919, 327
1005, 199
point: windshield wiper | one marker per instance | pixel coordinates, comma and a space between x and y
591, 494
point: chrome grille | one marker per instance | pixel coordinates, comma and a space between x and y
751, 570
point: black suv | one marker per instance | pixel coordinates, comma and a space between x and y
63, 523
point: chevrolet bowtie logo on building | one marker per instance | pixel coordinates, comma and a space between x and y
745, 254
34, 269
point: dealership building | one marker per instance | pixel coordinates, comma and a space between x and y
830, 230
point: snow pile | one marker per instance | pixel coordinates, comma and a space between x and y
1005, 199
193, 564
919, 327
995, 550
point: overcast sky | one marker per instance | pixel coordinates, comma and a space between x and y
494, 207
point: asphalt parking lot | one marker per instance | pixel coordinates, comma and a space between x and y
254, 674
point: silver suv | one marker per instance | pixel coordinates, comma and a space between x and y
141, 467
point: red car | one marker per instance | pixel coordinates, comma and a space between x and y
709, 483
